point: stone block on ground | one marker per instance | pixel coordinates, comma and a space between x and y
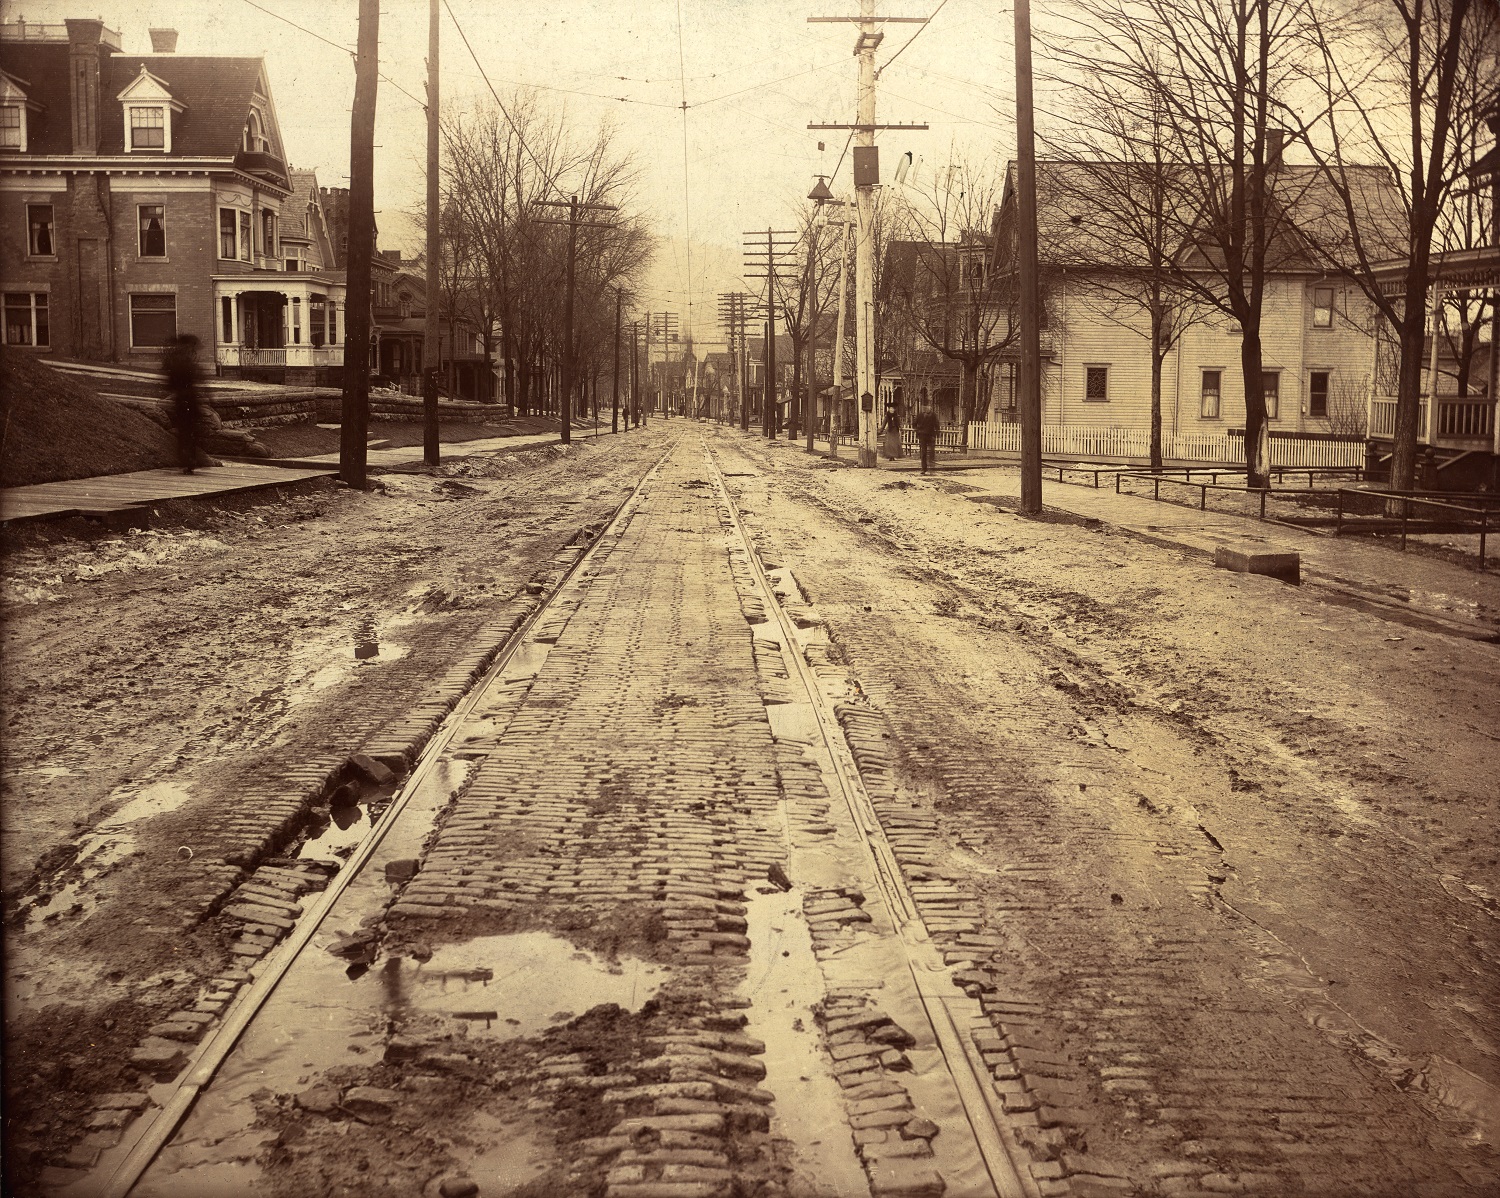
1244, 559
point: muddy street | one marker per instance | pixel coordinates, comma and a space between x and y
685, 816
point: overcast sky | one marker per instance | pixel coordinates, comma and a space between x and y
755, 74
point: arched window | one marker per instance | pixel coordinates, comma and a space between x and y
254, 140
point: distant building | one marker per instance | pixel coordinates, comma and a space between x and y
143, 196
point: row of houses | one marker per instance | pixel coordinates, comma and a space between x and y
1327, 364
143, 196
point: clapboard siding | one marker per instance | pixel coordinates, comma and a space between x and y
1091, 330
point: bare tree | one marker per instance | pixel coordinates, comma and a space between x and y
1392, 78
945, 292
1114, 210
503, 166
1349, 406
1212, 76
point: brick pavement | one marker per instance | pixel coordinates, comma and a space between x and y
627, 790
1152, 1055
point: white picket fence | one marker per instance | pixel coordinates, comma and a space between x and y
1082, 443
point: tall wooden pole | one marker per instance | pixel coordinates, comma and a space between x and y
864, 244
432, 330
1029, 400
614, 411
565, 407
838, 338
635, 374
810, 406
768, 416
355, 424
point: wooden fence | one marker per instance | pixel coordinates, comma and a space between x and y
1084, 443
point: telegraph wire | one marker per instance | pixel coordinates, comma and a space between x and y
336, 46
505, 112
912, 38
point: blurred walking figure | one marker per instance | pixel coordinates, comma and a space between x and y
180, 364
926, 427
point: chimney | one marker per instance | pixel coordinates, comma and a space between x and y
163, 41
84, 53
1275, 140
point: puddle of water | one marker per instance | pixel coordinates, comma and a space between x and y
156, 799
102, 849
511, 1155
783, 983
516, 984
345, 830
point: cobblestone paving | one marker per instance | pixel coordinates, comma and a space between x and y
1148, 1035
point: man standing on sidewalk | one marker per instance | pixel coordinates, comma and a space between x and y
926, 427
180, 364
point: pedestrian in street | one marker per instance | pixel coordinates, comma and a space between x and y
890, 434
180, 364
926, 427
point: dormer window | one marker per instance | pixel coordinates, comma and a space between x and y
148, 128
148, 108
15, 112
12, 127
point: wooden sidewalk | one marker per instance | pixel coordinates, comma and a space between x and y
122, 492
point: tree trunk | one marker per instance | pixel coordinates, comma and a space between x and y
794, 406
1408, 400
968, 395
1156, 361
523, 382
1256, 474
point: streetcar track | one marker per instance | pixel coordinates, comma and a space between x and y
215, 1049
996, 1146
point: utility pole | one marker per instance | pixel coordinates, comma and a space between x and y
565, 400
353, 429
1029, 401
778, 252
431, 332
635, 374
614, 411
866, 179
566, 414
838, 334
772, 415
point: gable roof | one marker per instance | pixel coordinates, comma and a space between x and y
1081, 221
215, 94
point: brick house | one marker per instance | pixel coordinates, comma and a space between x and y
143, 196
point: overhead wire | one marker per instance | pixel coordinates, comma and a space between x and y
505, 112
337, 46
921, 29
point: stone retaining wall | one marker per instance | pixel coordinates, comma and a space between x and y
393, 407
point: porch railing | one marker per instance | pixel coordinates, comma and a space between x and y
1472, 418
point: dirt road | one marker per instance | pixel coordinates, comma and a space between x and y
1195, 866
158, 684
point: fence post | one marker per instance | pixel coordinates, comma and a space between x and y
1202, 498
1262, 505
1338, 526
1405, 513
1484, 520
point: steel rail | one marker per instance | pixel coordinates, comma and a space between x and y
213, 1051
997, 1146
